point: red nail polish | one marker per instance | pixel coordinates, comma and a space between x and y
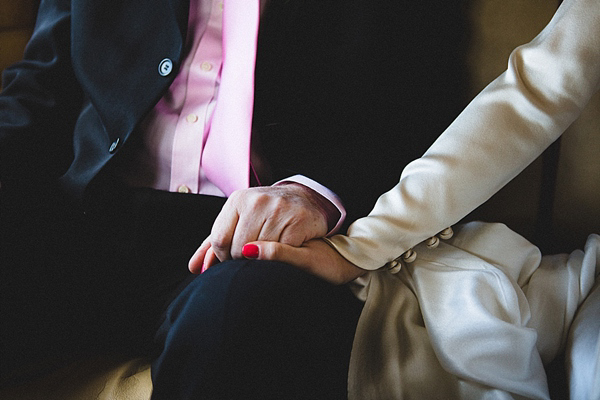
250, 251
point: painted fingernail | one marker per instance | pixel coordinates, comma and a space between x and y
250, 251
204, 268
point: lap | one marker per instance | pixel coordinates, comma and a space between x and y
280, 332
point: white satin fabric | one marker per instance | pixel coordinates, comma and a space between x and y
583, 350
508, 125
475, 318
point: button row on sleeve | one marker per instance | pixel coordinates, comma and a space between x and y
410, 255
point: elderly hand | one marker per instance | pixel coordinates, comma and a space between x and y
290, 214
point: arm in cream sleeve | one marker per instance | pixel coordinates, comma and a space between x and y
545, 87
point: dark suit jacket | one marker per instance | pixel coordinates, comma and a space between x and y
347, 91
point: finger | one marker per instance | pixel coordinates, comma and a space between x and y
197, 261
301, 225
292, 225
276, 251
270, 230
295, 235
209, 260
223, 230
247, 230
287, 227
260, 218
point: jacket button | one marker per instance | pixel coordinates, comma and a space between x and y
433, 242
409, 256
165, 67
394, 267
446, 233
113, 146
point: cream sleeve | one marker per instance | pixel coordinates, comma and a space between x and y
546, 85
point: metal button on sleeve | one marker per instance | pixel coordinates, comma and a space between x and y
165, 67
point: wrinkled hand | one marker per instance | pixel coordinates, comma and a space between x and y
315, 257
291, 214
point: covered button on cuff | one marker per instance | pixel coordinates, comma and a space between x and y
394, 266
446, 234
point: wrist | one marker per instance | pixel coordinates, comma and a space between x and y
326, 198
331, 214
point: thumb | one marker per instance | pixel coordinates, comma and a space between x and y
315, 257
273, 251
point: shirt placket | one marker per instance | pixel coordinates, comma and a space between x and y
200, 99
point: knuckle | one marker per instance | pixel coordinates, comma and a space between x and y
254, 202
302, 215
239, 196
262, 199
293, 239
271, 251
236, 194
301, 226
231, 200
236, 253
281, 202
220, 243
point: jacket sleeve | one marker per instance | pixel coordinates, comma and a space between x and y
40, 100
547, 84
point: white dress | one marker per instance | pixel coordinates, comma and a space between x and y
476, 317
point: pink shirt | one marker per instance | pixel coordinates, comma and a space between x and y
173, 134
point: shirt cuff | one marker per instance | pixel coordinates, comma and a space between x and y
323, 191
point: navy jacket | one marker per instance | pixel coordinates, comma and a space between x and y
347, 91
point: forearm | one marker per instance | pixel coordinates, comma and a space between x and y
505, 127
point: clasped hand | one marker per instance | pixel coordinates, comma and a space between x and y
275, 223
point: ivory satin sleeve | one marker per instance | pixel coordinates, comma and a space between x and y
545, 87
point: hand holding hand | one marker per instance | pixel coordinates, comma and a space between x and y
291, 214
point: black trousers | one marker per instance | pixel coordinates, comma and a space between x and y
256, 330
75, 284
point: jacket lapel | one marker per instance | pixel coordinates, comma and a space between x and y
117, 48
